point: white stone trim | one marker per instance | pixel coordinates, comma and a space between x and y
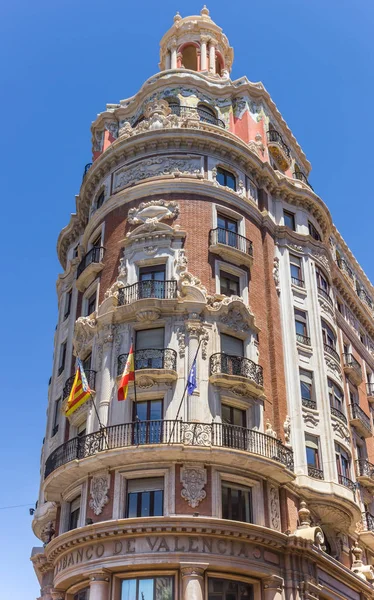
120, 489
229, 268
256, 486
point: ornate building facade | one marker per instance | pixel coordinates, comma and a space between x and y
197, 233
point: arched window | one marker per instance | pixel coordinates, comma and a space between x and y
219, 64
189, 57
226, 178
175, 105
207, 114
100, 199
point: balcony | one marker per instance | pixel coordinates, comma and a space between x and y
279, 149
91, 379
343, 480
145, 433
157, 364
360, 421
314, 472
89, 267
352, 368
330, 350
231, 246
346, 269
365, 472
308, 403
323, 294
205, 115
159, 290
303, 339
370, 392
230, 371
338, 414
367, 535
301, 177
298, 282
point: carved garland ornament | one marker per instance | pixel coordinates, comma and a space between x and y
153, 212
100, 484
193, 478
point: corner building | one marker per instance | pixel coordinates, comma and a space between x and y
196, 231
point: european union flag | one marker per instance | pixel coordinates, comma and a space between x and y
191, 381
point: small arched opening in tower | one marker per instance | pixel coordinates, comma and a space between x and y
189, 56
219, 64
206, 113
174, 104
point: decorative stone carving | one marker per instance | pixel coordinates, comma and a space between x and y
274, 508
322, 258
257, 145
234, 320
181, 337
194, 478
113, 290
48, 532
310, 419
326, 306
365, 572
84, 331
197, 329
99, 487
156, 167
148, 315
340, 429
144, 381
287, 431
153, 212
269, 430
190, 286
276, 274
330, 515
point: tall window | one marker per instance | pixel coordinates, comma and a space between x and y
148, 426
322, 281
231, 345
328, 335
145, 497
296, 270
152, 281
234, 423
91, 304
236, 502
229, 284
342, 462
75, 510
226, 178
289, 219
56, 416
336, 396
306, 388
149, 345
312, 451
96, 243
100, 199
226, 589
67, 307
62, 359
313, 232
227, 231
147, 588
301, 326
233, 416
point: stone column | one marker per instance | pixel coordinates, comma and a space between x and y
203, 43
106, 382
196, 331
173, 56
192, 582
212, 57
273, 588
99, 586
168, 60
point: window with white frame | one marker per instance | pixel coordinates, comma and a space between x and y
56, 416
91, 302
231, 345
313, 232
343, 464
229, 283
312, 454
62, 358
307, 389
328, 335
145, 497
322, 281
100, 199
336, 398
150, 344
296, 271
226, 178
289, 220
301, 326
74, 513
67, 303
236, 502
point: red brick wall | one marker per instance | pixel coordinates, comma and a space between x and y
182, 506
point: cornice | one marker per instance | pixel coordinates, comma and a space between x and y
347, 329
208, 139
355, 264
353, 301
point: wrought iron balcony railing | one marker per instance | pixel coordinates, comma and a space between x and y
141, 433
350, 361
236, 365
338, 414
95, 255
308, 403
332, 352
301, 177
325, 295
232, 239
205, 115
364, 468
358, 414
343, 480
86, 169
344, 266
162, 290
151, 358
368, 521
314, 472
275, 136
303, 339
298, 282
91, 378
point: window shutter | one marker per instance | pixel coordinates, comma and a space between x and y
148, 484
150, 338
231, 345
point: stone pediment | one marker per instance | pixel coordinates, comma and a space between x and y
232, 312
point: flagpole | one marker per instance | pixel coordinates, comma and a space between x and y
184, 393
135, 400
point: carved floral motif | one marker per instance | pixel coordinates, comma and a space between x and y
99, 487
274, 508
152, 212
193, 478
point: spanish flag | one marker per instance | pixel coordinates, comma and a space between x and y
127, 376
80, 392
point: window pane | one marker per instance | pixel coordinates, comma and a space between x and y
158, 509
306, 390
164, 588
289, 220
311, 457
142, 410
224, 589
145, 504
128, 589
156, 410
150, 338
132, 505
146, 587
231, 345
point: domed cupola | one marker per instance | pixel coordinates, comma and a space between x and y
196, 43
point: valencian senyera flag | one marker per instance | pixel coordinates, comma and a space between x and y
127, 376
80, 391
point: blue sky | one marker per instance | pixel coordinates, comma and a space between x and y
62, 61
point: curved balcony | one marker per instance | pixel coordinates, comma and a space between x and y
160, 290
343, 480
308, 403
231, 246
228, 371
367, 535
365, 472
91, 378
315, 473
279, 149
360, 420
352, 368
144, 433
303, 339
90, 265
205, 115
338, 414
157, 364
301, 177
346, 269
330, 350
325, 296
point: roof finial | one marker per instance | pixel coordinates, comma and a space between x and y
204, 11
177, 17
